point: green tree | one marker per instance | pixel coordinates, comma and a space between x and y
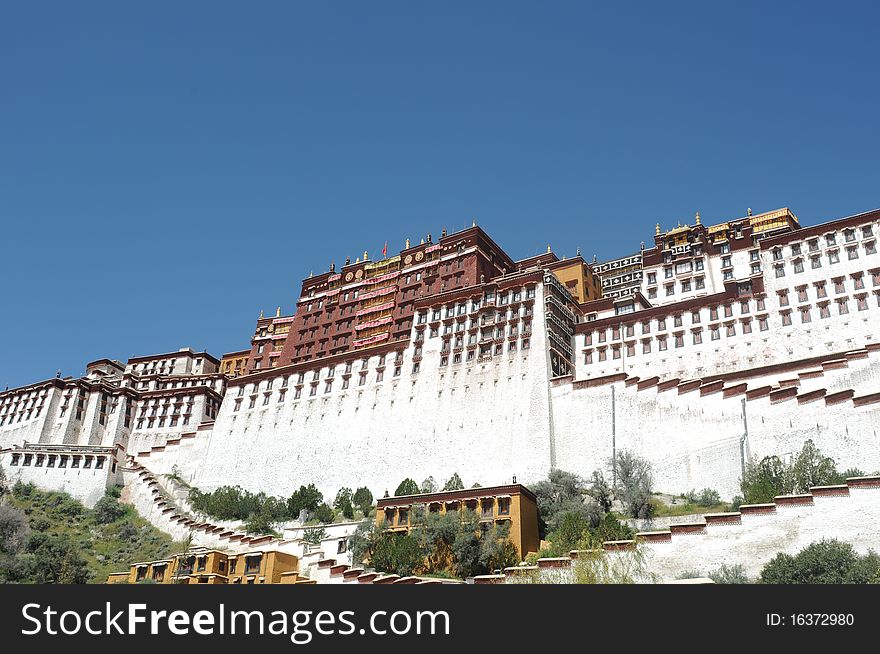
361, 541
260, 523
307, 498
764, 480
343, 503
812, 468
562, 492
314, 535
601, 491
396, 553
496, 550
53, 559
453, 483
823, 562
407, 487
324, 513
429, 485
634, 482
466, 546
572, 527
363, 500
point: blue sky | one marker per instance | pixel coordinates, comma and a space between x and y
167, 169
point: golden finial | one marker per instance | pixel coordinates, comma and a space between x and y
261, 314
548, 248
358, 260
278, 312
474, 224
311, 273
407, 244
750, 211
423, 242
657, 229
698, 218
366, 256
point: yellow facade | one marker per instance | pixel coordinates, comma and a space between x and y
215, 567
579, 279
234, 364
513, 504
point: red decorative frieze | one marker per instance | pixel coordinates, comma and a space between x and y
714, 519
830, 491
863, 482
757, 509
618, 545
688, 528
793, 500
783, 394
840, 396
812, 396
655, 536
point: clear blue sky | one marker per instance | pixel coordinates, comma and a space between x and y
167, 169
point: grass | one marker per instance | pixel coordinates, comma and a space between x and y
106, 548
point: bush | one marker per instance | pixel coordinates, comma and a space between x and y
260, 523
733, 574
824, 562
108, 510
770, 477
706, 497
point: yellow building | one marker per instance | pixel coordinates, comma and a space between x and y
513, 504
579, 278
204, 566
234, 364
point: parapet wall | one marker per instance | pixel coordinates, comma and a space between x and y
750, 537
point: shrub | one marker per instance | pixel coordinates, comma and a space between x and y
107, 510
733, 574
260, 523
824, 562
706, 497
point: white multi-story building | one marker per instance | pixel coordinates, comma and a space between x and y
743, 340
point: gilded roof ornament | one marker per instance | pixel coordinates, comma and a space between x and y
278, 312
407, 244
698, 218
657, 229
261, 314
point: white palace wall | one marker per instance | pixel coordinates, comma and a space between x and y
487, 420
